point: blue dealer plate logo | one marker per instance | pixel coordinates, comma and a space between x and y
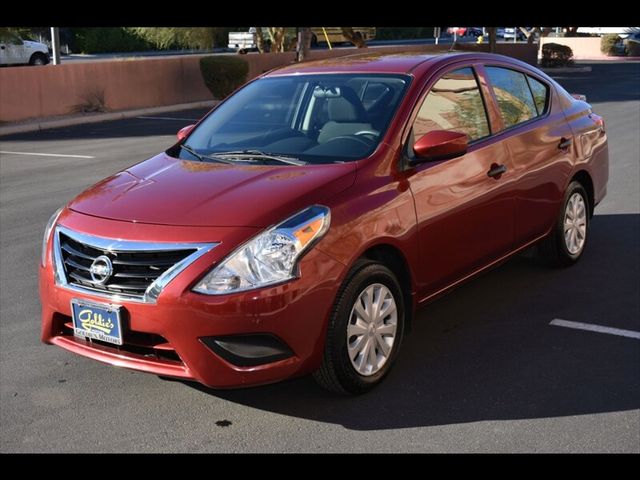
98, 322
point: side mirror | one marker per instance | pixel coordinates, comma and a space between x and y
183, 132
439, 145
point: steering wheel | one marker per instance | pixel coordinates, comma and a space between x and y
349, 137
367, 132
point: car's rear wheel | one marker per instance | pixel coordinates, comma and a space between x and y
38, 59
365, 330
568, 239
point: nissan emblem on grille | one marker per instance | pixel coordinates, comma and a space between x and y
101, 269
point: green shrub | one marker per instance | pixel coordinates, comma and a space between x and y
633, 48
222, 74
556, 55
608, 44
107, 40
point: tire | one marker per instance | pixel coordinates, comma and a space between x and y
38, 59
338, 372
557, 249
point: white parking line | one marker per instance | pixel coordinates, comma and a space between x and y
171, 118
45, 154
596, 328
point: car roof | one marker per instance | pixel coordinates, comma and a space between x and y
381, 62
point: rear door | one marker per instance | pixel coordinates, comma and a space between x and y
465, 217
540, 144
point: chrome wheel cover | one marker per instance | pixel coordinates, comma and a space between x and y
575, 224
371, 331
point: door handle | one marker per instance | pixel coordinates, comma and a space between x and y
564, 143
496, 170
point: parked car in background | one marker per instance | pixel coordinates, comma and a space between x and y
509, 33
465, 31
298, 226
16, 51
626, 38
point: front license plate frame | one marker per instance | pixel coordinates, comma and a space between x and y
97, 321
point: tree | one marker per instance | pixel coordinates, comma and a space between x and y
261, 42
304, 44
165, 37
354, 37
491, 31
276, 34
531, 33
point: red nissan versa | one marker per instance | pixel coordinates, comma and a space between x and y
297, 227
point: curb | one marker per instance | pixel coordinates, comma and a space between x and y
566, 70
99, 117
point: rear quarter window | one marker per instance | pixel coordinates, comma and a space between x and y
540, 93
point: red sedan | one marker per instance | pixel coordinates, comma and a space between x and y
300, 224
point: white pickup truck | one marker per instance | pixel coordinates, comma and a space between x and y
243, 41
16, 51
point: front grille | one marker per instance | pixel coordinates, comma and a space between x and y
132, 271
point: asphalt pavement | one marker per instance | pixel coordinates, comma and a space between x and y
482, 371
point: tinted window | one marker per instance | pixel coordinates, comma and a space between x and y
453, 103
513, 95
314, 118
540, 94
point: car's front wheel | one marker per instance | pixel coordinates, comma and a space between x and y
38, 59
365, 330
568, 239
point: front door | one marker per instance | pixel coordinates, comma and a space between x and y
465, 216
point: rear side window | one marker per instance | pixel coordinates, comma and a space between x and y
540, 94
513, 94
453, 103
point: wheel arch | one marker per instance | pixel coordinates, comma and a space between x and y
393, 258
583, 177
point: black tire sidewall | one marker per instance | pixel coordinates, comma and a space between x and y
37, 56
574, 187
371, 273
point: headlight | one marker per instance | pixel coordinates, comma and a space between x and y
269, 258
47, 233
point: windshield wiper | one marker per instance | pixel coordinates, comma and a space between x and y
202, 158
257, 154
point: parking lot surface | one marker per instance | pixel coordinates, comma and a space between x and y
484, 369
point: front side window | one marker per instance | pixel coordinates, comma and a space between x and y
453, 103
513, 95
320, 118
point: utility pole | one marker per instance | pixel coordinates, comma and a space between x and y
55, 45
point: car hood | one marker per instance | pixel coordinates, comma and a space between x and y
168, 191
31, 44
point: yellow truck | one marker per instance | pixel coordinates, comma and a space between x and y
320, 35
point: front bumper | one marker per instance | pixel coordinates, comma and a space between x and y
166, 338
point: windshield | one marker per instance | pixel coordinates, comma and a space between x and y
302, 118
